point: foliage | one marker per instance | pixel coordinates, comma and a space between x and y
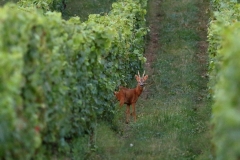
226, 107
41, 4
57, 77
223, 14
224, 62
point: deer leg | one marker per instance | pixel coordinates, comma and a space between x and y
134, 111
121, 102
127, 114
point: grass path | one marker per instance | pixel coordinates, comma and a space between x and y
174, 111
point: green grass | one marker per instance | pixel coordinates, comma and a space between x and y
83, 8
173, 121
182, 89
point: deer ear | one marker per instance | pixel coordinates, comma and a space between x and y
145, 77
136, 76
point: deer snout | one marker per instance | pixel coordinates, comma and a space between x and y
141, 84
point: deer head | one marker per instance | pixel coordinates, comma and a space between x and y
141, 80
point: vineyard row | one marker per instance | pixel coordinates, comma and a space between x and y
224, 54
57, 76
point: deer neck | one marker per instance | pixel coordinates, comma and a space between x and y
139, 90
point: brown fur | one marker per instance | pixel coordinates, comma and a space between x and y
130, 96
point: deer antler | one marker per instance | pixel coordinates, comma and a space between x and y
138, 74
143, 73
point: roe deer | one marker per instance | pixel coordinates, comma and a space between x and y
130, 96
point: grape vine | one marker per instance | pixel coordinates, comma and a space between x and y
224, 49
58, 77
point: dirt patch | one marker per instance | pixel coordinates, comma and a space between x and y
203, 44
153, 45
153, 42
